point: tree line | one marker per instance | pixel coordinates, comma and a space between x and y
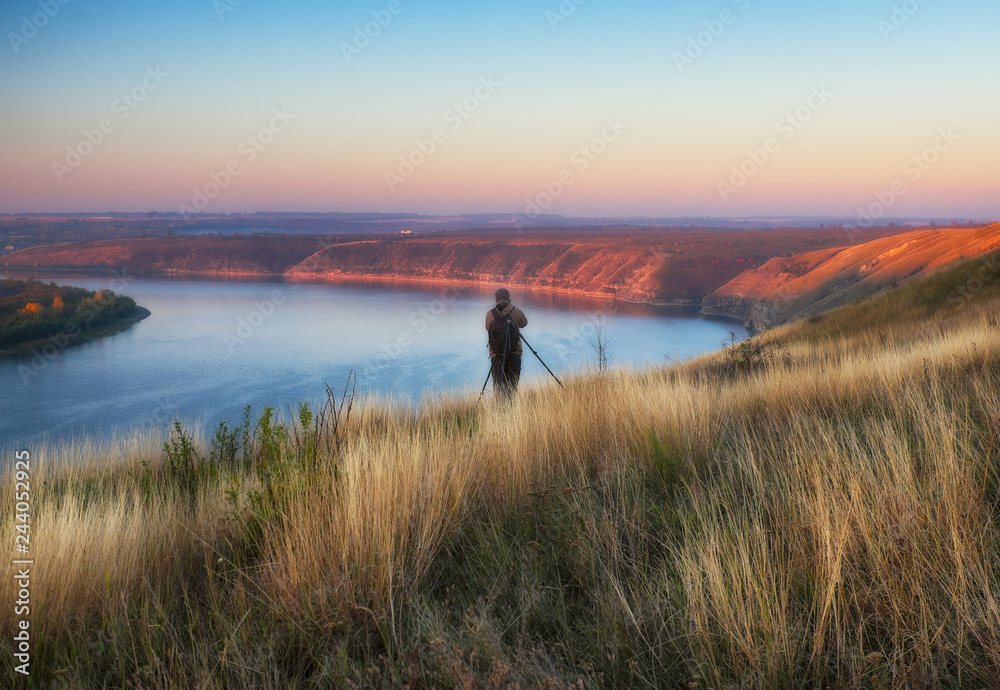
31, 310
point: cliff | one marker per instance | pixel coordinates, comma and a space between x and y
785, 289
628, 263
599, 269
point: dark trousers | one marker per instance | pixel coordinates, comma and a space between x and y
506, 374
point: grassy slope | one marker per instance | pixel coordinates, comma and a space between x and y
828, 518
785, 289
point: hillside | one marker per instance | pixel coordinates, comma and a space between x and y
232, 254
784, 289
632, 264
825, 516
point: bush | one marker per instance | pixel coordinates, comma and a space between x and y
748, 356
185, 467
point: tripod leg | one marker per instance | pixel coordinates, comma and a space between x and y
543, 363
488, 375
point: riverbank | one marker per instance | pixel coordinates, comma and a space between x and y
64, 340
372, 279
638, 265
345, 278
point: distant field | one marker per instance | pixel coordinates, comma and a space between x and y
260, 255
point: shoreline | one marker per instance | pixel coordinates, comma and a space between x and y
26, 349
348, 278
364, 277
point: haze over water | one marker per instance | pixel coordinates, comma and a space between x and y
212, 347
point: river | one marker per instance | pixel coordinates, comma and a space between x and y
211, 347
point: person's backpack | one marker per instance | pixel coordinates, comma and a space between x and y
504, 333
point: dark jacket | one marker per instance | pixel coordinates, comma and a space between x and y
516, 316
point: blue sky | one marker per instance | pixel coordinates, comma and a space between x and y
561, 74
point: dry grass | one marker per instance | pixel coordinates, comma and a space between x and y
829, 518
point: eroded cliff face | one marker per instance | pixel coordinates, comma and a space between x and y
785, 289
636, 264
600, 269
595, 267
741, 297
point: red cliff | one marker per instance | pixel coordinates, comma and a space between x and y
628, 263
592, 268
784, 289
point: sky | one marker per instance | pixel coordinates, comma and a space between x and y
726, 108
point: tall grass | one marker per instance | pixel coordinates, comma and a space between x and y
825, 519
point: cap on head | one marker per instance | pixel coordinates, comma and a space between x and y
502, 294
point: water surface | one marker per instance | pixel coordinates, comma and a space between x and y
212, 347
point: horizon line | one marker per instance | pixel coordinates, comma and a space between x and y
397, 215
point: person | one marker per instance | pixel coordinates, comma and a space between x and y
504, 343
